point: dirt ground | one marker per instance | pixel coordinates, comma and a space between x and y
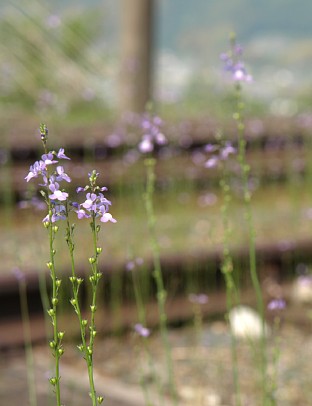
202, 364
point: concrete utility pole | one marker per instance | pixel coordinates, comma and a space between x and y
136, 41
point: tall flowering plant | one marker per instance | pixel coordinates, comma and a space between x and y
152, 139
233, 63
95, 207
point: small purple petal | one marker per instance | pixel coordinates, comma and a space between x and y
61, 154
108, 217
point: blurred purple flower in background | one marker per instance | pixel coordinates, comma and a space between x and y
152, 133
232, 63
141, 330
276, 304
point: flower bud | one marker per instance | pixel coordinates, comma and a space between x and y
54, 301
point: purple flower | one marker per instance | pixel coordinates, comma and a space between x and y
234, 65
48, 159
227, 150
95, 204
90, 203
107, 217
152, 134
141, 330
61, 154
130, 265
210, 148
56, 193
61, 175
38, 168
221, 153
212, 162
277, 304
82, 214
58, 213
146, 145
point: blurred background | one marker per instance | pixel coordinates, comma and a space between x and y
88, 69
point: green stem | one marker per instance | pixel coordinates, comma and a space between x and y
232, 294
56, 343
245, 170
157, 273
76, 282
27, 340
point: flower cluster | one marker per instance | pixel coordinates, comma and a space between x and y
152, 134
51, 178
233, 63
218, 153
96, 204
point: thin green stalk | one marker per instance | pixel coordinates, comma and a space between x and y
76, 283
27, 340
232, 294
94, 280
157, 273
56, 343
245, 170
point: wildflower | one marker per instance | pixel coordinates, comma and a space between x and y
58, 213
61, 154
96, 203
38, 168
212, 162
141, 330
233, 64
277, 304
48, 159
56, 193
152, 134
130, 265
220, 153
61, 175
